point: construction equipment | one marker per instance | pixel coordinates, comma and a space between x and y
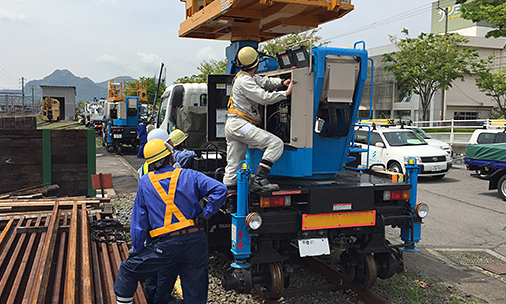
122, 113
50, 109
322, 203
94, 114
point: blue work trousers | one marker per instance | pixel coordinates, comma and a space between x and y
183, 255
142, 143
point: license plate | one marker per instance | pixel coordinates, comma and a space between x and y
338, 220
313, 247
436, 168
118, 135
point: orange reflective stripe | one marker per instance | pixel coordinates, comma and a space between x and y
231, 109
171, 208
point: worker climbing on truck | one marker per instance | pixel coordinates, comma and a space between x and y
241, 128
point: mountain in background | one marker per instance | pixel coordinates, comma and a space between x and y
86, 88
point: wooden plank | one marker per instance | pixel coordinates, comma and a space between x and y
23, 266
42, 277
87, 293
9, 142
69, 294
33, 168
59, 263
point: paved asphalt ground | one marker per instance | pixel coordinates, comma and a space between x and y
465, 220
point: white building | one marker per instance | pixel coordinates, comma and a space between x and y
462, 101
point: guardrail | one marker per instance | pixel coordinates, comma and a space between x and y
454, 136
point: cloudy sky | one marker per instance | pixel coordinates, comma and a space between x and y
101, 39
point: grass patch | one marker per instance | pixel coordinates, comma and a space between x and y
407, 288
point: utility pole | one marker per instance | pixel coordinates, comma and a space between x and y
33, 101
23, 95
445, 11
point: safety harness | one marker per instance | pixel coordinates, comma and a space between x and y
171, 208
231, 109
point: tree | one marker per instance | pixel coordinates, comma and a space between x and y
151, 84
205, 68
493, 84
277, 45
429, 62
491, 11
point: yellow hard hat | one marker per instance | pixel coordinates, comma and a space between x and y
177, 137
247, 58
155, 150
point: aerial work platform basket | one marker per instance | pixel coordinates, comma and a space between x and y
257, 20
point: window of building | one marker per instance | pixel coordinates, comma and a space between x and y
403, 94
466, 115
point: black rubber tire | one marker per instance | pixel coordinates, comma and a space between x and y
501, 187
395, 167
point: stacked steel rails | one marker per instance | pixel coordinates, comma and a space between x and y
47, 254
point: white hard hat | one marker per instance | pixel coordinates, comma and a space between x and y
158, 133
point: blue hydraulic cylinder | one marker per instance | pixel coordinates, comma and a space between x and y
407, 235
241, 240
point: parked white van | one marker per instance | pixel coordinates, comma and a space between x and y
392, 147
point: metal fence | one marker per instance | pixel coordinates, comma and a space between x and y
455, 134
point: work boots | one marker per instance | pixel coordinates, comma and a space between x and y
260, 182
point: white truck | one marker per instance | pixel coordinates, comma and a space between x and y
185, 105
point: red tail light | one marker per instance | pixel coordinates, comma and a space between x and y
275, 201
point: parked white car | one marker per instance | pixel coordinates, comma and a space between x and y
488, 136
392, 147
436, 143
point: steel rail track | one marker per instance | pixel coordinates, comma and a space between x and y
366, 295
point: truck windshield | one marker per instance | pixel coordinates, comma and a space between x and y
403, 139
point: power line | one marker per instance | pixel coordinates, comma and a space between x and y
395, 18
6, 73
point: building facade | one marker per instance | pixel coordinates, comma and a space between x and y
463, 101
66, 95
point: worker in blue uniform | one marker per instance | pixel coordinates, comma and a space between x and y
170, 210
181, 154
142, 135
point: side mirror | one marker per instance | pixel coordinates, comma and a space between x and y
379, 144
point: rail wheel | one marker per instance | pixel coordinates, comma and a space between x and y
272, 284
346, 268
366, 274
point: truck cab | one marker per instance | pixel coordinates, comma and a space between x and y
176, 97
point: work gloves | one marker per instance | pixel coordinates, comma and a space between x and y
131, 253
199, 220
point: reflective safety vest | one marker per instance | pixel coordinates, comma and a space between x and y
171, 208
231, 109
